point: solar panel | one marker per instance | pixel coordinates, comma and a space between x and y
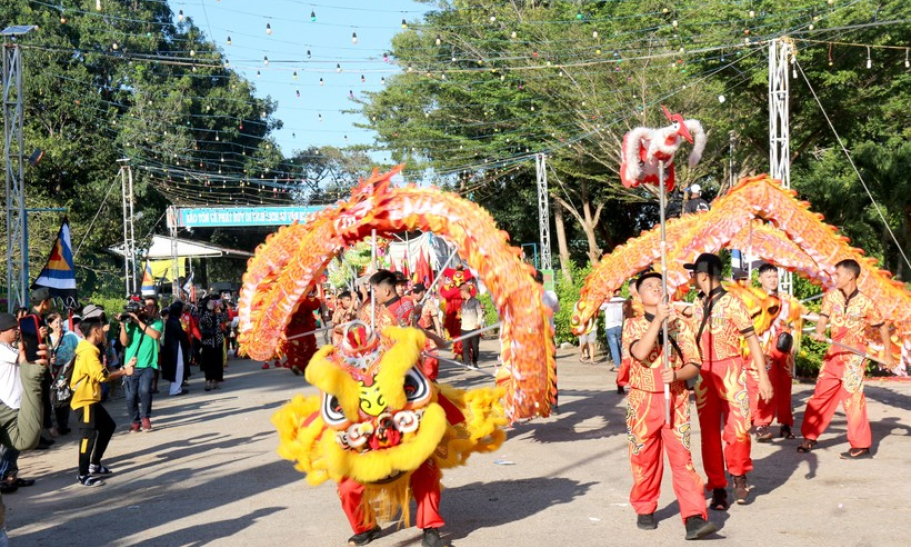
17, 30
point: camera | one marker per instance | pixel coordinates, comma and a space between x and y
131, 307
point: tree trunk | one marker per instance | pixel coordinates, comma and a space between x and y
562, 245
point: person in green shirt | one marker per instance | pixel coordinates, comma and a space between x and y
140, 335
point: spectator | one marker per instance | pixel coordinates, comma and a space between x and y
95, 423
63, 350
212, 343
587, 339
696, 203
140, 335
176, 351
472, 319
42, 304
426, 311
20, 424
613, 326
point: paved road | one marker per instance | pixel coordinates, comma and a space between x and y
208, 475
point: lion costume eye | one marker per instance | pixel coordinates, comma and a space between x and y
417, 389
332, 413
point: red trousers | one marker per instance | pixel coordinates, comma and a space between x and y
723, 402
764, 412
425, 487
649, 438
623, 373
830, 391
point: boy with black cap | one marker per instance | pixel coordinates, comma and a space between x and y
721, 391
647, 425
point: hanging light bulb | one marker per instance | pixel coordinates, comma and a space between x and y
353, 37
907, 60
266, 60
227, 63
752, 14
385, 57
404, 24
319, 117
298, 93
98, 5
258, 74
192, 53
308, 54
295, 75
62, 18
363, 79
674, 23
338, 67
321, 82
513, 35
229, 39
580, 16
493, 18
383, 79
595, 34
439, 39
350, 94
268, 29
115, 46
312, 16
180, 16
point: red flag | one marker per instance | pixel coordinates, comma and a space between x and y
422, 271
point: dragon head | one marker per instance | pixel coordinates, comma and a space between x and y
678, 124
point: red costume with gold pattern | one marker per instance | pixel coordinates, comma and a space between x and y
721, 392
841, 378
646, 421
300, 350
780, 367
453, 278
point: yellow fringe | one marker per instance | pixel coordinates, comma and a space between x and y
396, 362
329, 378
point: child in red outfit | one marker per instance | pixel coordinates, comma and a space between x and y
651, 433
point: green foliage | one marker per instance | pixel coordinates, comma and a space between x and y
568, 294
490, 309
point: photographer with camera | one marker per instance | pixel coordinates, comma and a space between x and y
140, 331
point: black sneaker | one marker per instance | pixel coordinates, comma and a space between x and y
88, 480
719, 500
364, 537
698, 528
741, 489
646, 522
432, 539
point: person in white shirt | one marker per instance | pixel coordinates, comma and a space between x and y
472, 317
613, 325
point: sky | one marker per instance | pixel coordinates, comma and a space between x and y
329, 41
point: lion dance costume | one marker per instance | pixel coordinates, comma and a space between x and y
379, 427
453, 278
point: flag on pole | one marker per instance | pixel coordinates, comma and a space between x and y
148, 281
188, 285
59, 274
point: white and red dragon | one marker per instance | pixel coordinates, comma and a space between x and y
643, 149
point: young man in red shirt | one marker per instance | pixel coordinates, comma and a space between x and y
848, 312
721, 393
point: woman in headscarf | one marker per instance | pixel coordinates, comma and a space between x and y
176, 350
212, 358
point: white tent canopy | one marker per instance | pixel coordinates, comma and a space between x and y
186, 248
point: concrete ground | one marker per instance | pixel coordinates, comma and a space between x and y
208, 475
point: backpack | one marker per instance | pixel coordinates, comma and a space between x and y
61, 392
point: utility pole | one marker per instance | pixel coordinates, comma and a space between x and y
781, 53
129, 237
14, 155
543, 211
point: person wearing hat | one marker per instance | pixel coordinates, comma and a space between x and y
696, 204
140, 337
723, 321
20, 396
646, 422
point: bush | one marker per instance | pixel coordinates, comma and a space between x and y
568, 294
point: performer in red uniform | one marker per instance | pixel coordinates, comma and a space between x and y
650, 435
721, 392
779, 364
301, 350
453, 278
841, 378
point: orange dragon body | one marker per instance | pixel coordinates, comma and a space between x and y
290, 262
793, 238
